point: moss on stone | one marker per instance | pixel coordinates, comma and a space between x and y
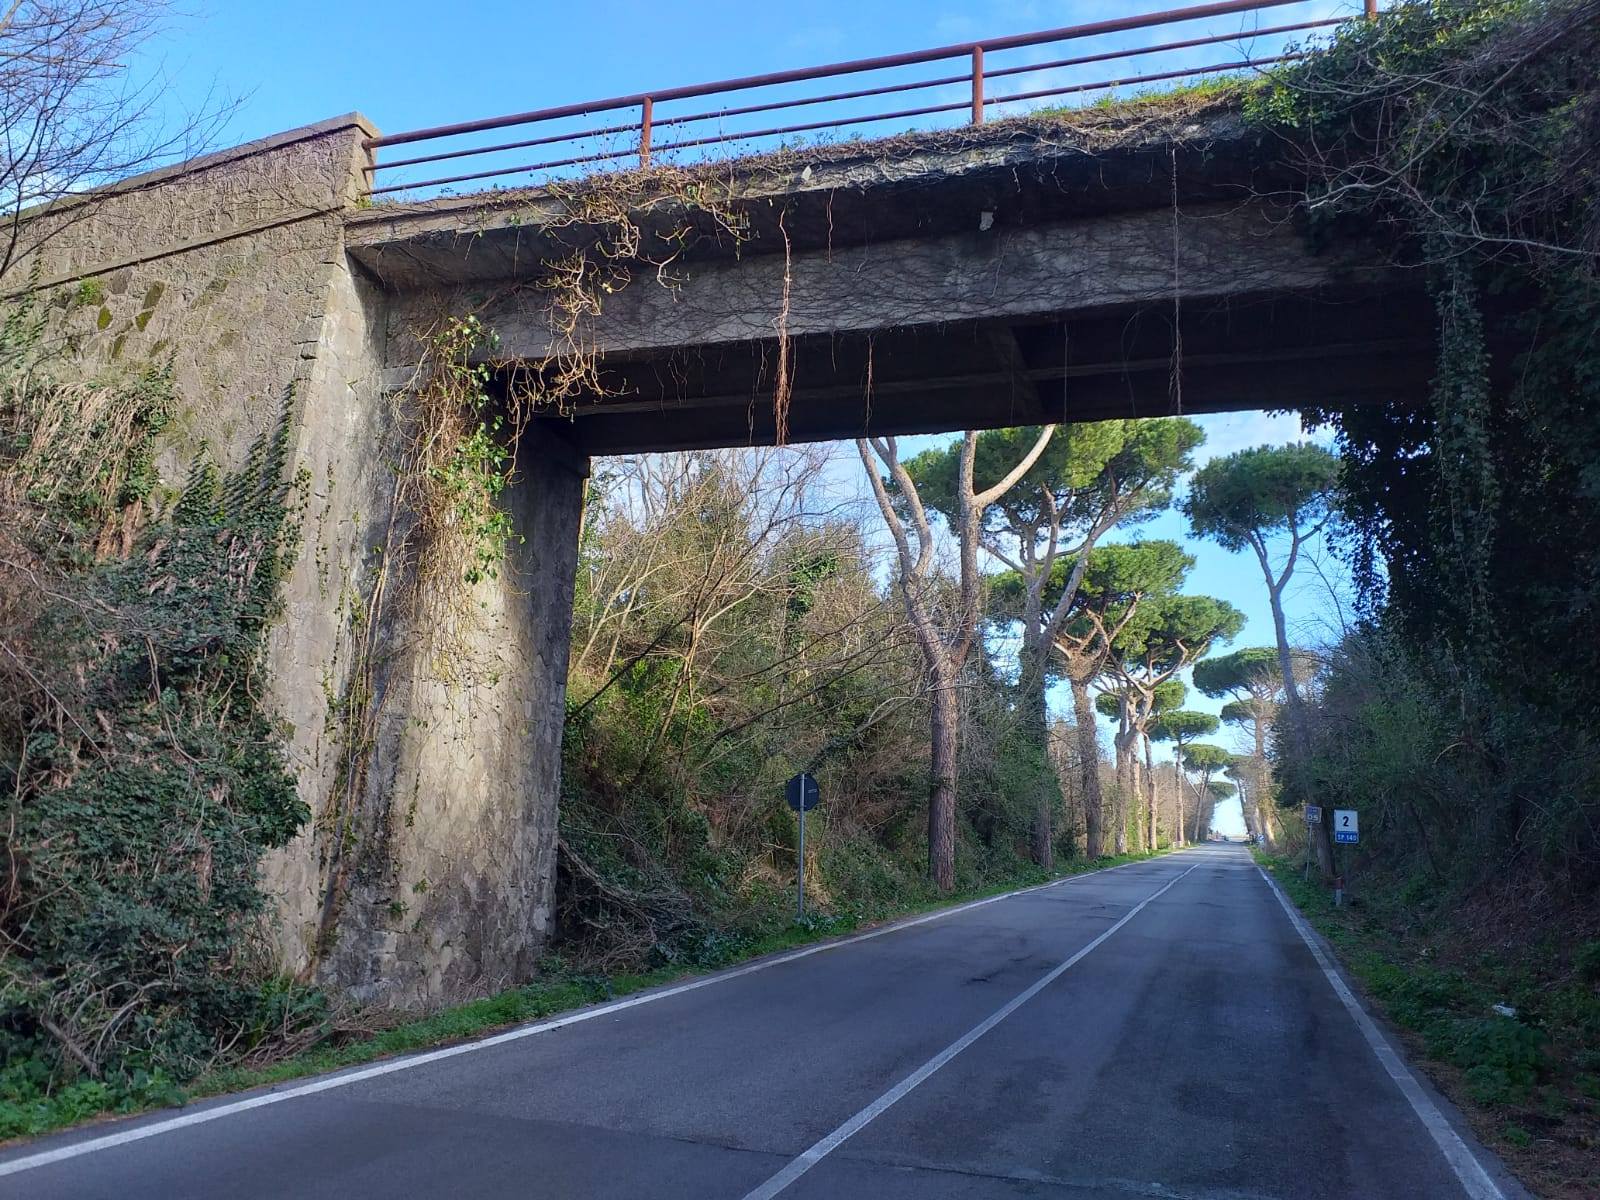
210, 292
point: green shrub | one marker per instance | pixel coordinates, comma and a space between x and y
1517, 1135
1417, 996
148, 780
1586, 963
1502, 1057
862, 879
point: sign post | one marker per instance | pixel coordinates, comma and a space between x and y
803, 795
1346, 832
1313, 819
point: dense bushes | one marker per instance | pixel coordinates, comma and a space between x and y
142, 779
730, 632
1460, 136
1455, 778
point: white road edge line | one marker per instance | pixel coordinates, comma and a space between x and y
1475, 1179
200, 1117
832, 1141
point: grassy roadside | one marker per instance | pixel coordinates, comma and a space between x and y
1516, 1048
555, 991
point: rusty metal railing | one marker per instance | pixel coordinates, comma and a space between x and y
638, 141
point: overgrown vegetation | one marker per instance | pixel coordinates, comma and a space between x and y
1461, 137
143, 779
461, 454
728, 633
1458, 715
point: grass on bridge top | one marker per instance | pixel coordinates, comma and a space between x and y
1180, 113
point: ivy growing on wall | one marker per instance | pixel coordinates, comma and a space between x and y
1459, 137
465, 451
143, 778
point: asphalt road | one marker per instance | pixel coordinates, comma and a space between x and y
1158, 1030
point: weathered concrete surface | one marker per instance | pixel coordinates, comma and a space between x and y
996, 275
1021, 171
1021, 272
452, 888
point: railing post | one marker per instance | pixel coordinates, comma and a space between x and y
977, 85
369, 168
646, 112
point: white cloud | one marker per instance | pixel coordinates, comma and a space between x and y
1227, 433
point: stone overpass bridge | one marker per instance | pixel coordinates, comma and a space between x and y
1014, 273
993, 275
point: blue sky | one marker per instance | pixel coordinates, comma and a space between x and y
407, 63
1318, 592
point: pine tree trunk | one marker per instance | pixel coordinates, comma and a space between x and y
1150, 795
1125, 786
1259, 773
942, 789
1322, 839
1247, 806
1179, 817
1035, 717
1322, 832
1125, 795
1291, 693
1269, 836
1089, 753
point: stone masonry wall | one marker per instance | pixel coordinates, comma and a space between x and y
452, 881
233, 267
224, 265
